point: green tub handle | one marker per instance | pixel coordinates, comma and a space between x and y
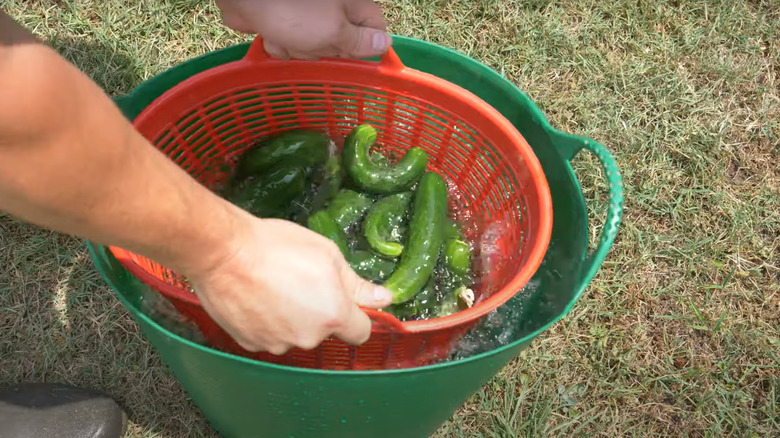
614, 209
569, 145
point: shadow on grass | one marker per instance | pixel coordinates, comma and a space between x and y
59, 322
115, 72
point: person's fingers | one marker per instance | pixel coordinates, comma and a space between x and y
356, 328
304, 56
236, 22
372, 295
365, 13
368, 34
274, 347
363, 42
364, 293
365, 35
275, 51
324, 53
279, 52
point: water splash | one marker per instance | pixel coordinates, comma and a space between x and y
498, 328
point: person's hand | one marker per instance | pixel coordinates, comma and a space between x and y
311, 29
286, 286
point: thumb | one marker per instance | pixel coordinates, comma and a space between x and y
364, 42
364, 292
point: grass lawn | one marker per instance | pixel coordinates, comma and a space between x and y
679, 333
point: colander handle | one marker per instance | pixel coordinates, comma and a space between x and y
569, 146
384, 321
257, 53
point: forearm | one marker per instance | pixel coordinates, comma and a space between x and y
69, 161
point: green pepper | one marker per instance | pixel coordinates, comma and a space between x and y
424, 240
348, 207
452, 230
457, 253
385, 217
421, 307
321, 222
454, 277
329, 184
375, 178
379, 159
326, 181
448, 304
299, 147
425, 301
404, 311
366, 264
269, 195
370, 266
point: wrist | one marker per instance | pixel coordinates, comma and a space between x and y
211, 241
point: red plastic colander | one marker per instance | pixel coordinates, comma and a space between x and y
207, 120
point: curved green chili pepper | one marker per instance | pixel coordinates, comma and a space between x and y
386, 215
424, 241
367, 265
375, 178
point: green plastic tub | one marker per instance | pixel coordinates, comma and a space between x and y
245, 398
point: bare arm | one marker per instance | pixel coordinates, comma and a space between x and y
70, 161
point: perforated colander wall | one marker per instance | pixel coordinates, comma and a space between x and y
207, 121
207, 138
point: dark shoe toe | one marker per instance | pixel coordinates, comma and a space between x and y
45, 410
